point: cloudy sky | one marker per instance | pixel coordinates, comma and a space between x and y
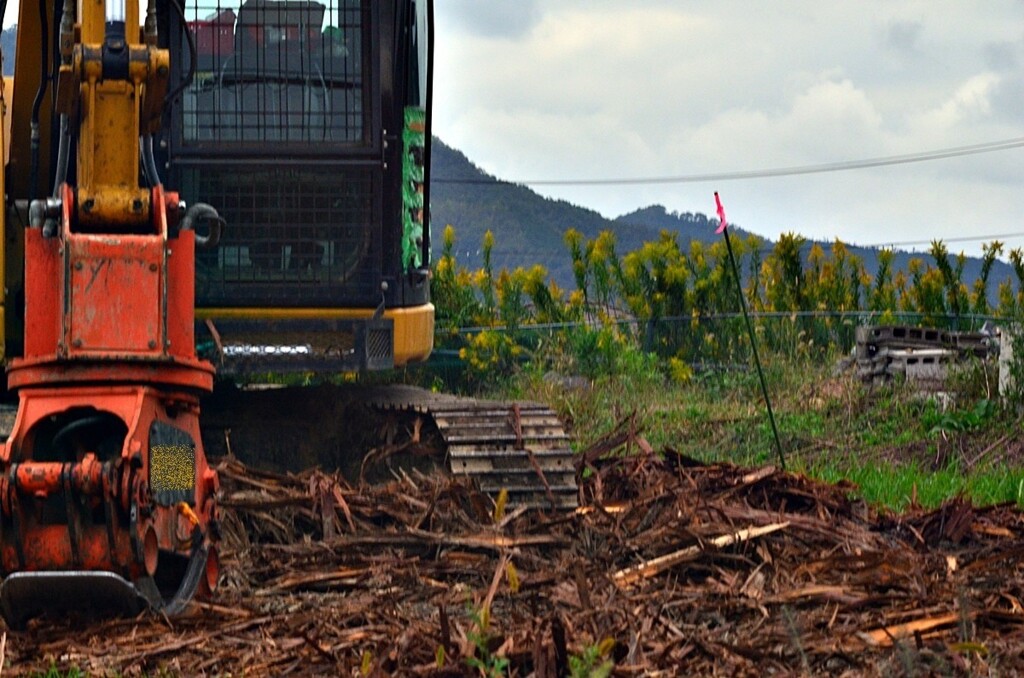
594, 89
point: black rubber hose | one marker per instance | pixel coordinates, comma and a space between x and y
149, 161
37, 103
201, 210
173, 94
63, 155
76, 426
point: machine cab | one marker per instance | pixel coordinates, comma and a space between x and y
306, 123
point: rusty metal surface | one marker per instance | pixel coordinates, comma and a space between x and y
78, 465
75, 492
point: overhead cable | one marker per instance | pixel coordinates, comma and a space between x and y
939, 154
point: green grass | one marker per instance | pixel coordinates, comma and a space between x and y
894, 445
55, 672
896, 487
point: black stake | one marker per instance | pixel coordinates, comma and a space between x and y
753, 339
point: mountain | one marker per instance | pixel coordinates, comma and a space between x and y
688, 225
529, 228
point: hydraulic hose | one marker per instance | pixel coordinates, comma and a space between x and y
149, 161
37, 103
173, 94
63, 154
201, 210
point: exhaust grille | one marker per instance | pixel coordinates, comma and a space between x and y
378, 343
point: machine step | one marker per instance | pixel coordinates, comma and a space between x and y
519, 447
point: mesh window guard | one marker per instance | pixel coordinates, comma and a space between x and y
276, 71
294, 236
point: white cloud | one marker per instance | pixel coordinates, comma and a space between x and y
603, 88
607, 88
971, 102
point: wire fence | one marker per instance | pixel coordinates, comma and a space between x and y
721, 338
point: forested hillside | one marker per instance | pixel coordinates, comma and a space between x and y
528, 228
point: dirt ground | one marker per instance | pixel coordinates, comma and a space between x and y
669, 567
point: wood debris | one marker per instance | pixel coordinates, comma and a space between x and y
670, 566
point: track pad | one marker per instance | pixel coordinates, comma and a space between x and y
24, 595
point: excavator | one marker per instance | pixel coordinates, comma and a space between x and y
198, 194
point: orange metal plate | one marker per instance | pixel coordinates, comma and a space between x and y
116, 303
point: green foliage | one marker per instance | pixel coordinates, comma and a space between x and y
653, 282
485, 281
784, 275
574, 241
882, 297
898, 485
833, 284
958, 421
484, 660
878, 439
605, 352
955, 291
55, 672
833, 428
1011, 295
979, 291
974, 379
669, 309
490, 356
593, 662
452, 289
926, 294
546, 298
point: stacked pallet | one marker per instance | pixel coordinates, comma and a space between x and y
917, 354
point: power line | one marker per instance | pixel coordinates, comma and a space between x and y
939, 154
530, 254
966, 238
